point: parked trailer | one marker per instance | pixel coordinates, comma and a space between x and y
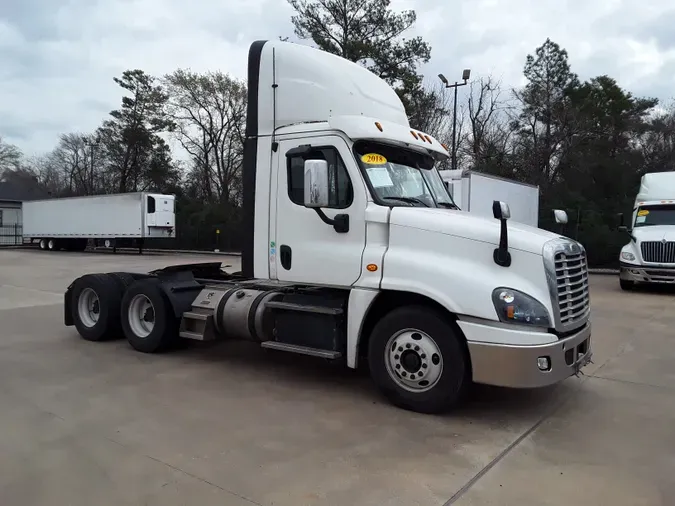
353, 250
117, 220
475, 192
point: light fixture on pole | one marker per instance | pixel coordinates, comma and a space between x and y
466, 74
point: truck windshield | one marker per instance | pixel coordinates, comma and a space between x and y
655, 215
401, 177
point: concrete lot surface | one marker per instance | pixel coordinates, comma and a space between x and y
99, 424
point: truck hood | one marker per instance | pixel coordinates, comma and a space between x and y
655, 233
463, 224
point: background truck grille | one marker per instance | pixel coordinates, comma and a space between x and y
571, 274
658, 252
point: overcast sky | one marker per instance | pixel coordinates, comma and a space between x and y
58, 57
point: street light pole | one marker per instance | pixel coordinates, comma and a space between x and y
465, 77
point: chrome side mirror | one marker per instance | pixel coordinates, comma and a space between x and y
560, 216
316, 183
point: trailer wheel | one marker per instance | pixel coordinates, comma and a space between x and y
96, 300
148, 319
52, 245
42, 244
417, 360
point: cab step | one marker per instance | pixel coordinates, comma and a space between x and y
303, 350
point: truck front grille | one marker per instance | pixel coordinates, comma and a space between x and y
567, 274
658, 252
571, 273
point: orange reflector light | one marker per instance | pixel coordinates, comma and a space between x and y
413, 134
510, 310
444, 147
379, 127
429, 139
371, 267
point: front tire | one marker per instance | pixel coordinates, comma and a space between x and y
418, 360
148, 319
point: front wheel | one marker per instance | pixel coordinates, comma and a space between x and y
418, 361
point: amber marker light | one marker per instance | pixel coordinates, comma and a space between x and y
371, 267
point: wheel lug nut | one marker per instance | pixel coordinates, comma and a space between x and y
400, 348
424, 366
417, 348
404, 374
396, 357
407, 345
424, 355
398, 366
412, 376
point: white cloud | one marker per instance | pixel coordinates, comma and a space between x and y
59, 56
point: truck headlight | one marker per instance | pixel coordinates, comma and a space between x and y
627, 255
513, 306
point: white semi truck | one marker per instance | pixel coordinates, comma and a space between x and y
475, 191
115, 220
355, 251
649, 257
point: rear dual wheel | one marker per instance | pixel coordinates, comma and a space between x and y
148, 320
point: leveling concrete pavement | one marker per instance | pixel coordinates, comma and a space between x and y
97, 423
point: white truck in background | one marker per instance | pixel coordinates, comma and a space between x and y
116, 220
475, 192
355, 251
649, 257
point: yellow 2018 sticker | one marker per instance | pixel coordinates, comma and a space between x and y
373, 159
643, 212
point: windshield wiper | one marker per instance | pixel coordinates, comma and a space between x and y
411, 200
448, 205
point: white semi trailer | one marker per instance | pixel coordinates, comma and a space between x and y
475, 192
343, 260
649, 256
116, 220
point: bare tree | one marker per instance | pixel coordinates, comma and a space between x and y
209, 113
10, 156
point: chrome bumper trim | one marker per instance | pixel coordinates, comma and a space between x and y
516, 366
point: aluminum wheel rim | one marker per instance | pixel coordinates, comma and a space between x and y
88, 307
141, 315
413, 360
51, 244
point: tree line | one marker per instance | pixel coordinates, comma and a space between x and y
584, 143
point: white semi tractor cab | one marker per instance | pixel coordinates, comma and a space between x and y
649, 257
355, 251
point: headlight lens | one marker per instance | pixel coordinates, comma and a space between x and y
513, 306
627, 255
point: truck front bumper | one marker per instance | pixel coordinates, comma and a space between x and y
526, 365
643, 274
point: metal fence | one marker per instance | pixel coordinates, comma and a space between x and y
11, 235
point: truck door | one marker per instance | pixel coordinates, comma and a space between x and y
304, 248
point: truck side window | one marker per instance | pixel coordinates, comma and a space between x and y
151, 205
341, 192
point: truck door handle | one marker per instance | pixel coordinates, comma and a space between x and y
285, 255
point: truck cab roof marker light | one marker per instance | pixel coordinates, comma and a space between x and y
378, 125
413, 134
